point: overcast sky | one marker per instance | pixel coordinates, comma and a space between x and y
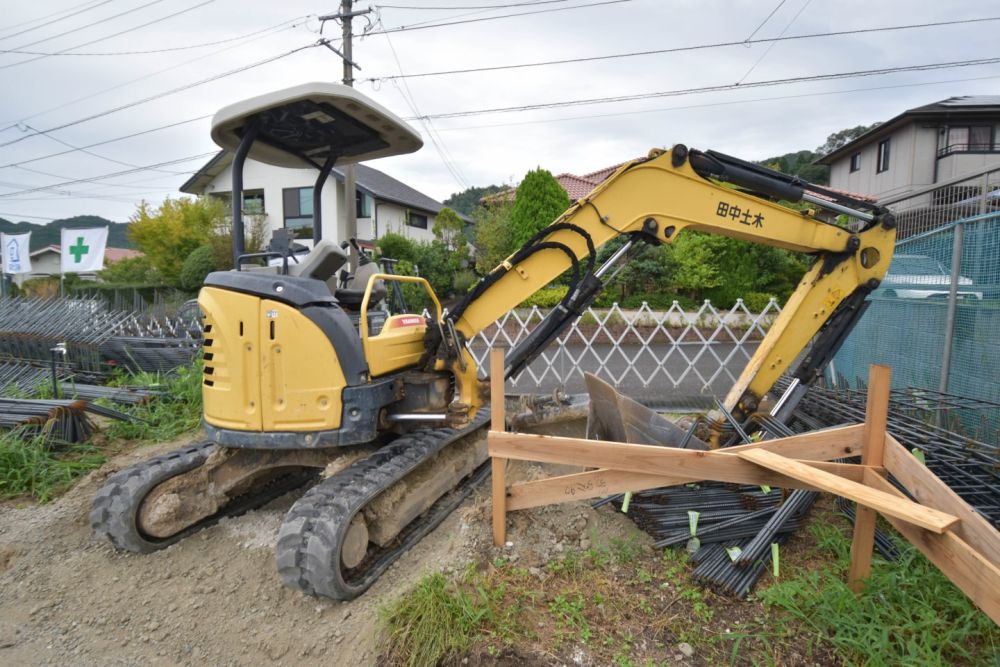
40, 93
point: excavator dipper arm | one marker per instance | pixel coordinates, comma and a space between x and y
656, 199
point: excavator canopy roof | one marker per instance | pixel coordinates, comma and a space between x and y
302, 125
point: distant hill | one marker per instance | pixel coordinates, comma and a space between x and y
43, 235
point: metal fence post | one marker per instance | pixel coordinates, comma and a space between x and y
949, 323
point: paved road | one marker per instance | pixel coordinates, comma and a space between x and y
671, 377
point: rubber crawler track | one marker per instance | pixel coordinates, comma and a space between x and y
115, 509
312, 534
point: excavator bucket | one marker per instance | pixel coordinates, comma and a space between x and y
616, 417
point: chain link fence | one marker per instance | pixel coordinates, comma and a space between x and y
675, 358
936, 321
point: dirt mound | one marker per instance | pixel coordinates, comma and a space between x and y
215, 598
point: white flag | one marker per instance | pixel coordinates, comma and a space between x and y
83, 249
14, 249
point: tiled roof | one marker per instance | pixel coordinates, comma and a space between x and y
110, 254
576, 187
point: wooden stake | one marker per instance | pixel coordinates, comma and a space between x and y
498, 465
873, 454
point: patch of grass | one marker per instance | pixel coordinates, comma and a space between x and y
909, 613
164, 417
442, 617
30, 464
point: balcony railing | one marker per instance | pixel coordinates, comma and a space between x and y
968, 148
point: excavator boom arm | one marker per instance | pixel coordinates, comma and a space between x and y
662, 196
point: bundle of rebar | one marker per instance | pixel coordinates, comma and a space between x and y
60, 420
24, 378
121, 395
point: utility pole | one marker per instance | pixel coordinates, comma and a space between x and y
350, 186
345, 17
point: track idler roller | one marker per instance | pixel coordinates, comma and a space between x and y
115, 510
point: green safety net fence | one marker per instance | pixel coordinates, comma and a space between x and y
906, 324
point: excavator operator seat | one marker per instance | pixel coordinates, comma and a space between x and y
322, 263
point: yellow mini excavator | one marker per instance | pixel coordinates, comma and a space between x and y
309, 380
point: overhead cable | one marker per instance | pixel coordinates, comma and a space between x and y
100, 143
425, 26
91, 179
267, 32
169, 49
710, 89
112, 35
54, 20
679, 49
165, 93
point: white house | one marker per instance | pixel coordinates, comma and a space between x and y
284, 197
45, 263
920, 147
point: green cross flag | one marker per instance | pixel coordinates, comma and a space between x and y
83, 249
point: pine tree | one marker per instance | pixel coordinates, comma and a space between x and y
539, 200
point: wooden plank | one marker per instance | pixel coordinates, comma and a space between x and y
966, 567
498, 466
873, 438
696, 465
929, 490
925, 517
876, 415
497, 422
597, 483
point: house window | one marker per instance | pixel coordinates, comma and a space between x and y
969, 139
417, 220
882, 163
298, 211
856, 162
364, 204
253, 202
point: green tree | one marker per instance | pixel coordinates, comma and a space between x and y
198, 264
466, 201
494, 240
396, 246
169, 233
130, 271
539, 200
838, 139
449, 229
800, 164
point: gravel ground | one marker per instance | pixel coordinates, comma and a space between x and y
67, 598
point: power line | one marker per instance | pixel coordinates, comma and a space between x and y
166, 93
436, 140
89, 25
25, 215
48, 23
454, 7
170, 49
261, 35
87, 152
708, 105
111, 36
679, 49
93, 179
766, 19
772, 44
404, 28
101, 143
710, 89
